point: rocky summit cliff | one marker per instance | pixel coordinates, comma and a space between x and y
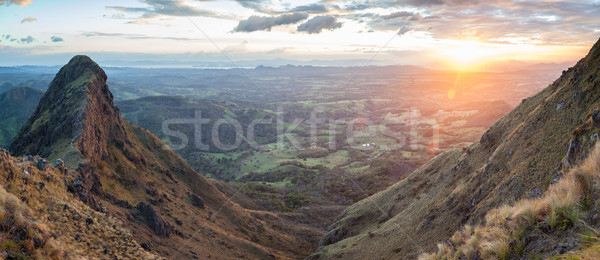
519, 157
124, 172
75, 119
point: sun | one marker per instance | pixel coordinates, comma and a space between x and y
466, 55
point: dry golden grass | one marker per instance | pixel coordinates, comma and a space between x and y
49, 222
20, 233
560, 208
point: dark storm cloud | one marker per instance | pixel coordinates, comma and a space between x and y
319, 23
263, 23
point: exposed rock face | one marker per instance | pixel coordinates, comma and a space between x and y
154, 220
519, 156
197, 201
76, 111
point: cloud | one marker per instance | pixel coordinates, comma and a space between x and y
319, 23
543, 22
242, 47
159, 8
278, 51
140, 21
364, 5
404, 30
263, 23
134, 36
21, 3
257, 5
28, 19
401, 14
56, 39
27, 40
312, 8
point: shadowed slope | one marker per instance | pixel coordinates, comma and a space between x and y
16, 105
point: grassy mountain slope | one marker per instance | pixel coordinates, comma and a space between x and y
124, 171
565, 218
39, 219
518, 157
16, 105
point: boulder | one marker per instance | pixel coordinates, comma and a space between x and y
59, 163
42, 164
197, 201
153, 219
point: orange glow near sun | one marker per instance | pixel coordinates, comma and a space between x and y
467, 55
470, 55
451, 93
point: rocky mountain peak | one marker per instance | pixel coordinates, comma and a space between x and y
78, 66
75, 118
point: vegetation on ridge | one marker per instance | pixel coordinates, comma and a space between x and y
567, 212
39, 219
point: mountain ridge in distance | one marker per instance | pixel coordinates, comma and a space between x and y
123, 171
520, 156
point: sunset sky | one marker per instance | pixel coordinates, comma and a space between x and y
428, 32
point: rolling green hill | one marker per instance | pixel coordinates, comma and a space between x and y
16, 105
152, 112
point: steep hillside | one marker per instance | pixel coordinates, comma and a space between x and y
16, 105
39, 219
125, 172
563, 219
518, 157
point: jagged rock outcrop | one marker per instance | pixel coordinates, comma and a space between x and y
155, 221
75, 118
197, 201
520, 155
